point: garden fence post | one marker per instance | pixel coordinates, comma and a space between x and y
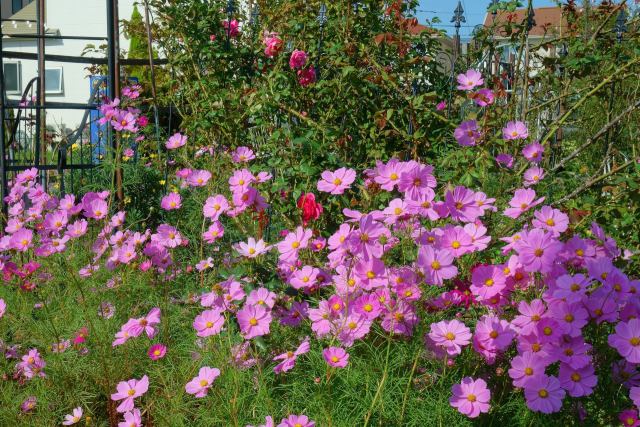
458, 19
322, 20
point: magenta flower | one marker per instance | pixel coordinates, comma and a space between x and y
462, 205
298, 59
289, 358
505, 160
198, 178
293, 242
74, 417
525, 367
544, 394
262, 296
208, 323
467, 134
145, 324
131, 419
515, 130
484, 97
469, 80
3, 307
551, 219
471, 397
533, 152
335, 357
232, 28
307, 76
177, 140
254, 321
629, 418
456, 241
171, 202
29, 404
436, 264
577, 382
626, 340
450, 335
296, 421
213, 233
522, 201
157, 351
129, 390
336, 182
199, 386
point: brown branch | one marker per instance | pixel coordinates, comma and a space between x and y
593, 182
595, 137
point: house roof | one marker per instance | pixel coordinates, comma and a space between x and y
548, 20
24, 22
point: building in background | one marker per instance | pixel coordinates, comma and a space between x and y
64, 82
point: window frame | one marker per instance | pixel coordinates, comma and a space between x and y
18, 65
60, 89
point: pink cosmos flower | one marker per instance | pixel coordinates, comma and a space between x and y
335, 357
440, 106
462, 205
626, 340
129, 390
296, 421
577, 382
515, 130
298, 59
533, 175
533, 152
544, 394
199, 386
124, 121
215, 206
487, 281
484, 97
525, 367
451, 335
456, 241
177, 140
198, 178
262, 296
208, 323
131, 419
634, 395
469, 80
242, 155
252, 249
146, 324
467, 134
551, 219
538, 250
289, 358
336, 182
293, 242
171, 201
471, 397
213, 233
74, 417
3, 307
436, 264
254, 321
157, 351
522, 201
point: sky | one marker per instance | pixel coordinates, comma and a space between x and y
474, 12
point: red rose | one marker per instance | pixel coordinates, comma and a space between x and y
311, 210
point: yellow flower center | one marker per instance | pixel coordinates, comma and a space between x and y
528, 371
393, 176
337, 181
295, 245
635, 341
131, 392
494, 334
547, 331
569, 318
204, 383
489, 282
543, 393
252, 251
209, 324
334, 359
450, 336
435, 265
455, 244
371, 274
471, 398
253, 321
368, 307
550, 222
397, 211
575, 377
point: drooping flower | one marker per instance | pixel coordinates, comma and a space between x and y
471, 397
127, 391
335, 357
74, 417
199, 386
289, 358
467, 133
177, 140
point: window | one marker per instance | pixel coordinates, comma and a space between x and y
12, 77
16, 5
53, 80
